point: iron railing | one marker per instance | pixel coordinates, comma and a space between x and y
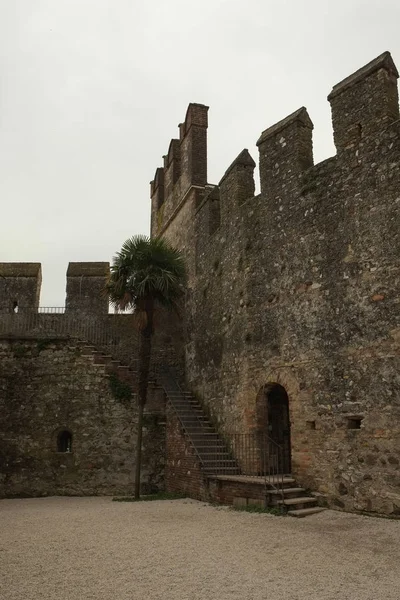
167, 378
231, 454
111, 334
256, 455
58, 325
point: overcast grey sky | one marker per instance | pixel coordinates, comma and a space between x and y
92, 91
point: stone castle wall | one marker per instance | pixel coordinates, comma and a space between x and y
48, 383
51, 386
300, 286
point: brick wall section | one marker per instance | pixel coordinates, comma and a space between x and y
182, 469
223, 492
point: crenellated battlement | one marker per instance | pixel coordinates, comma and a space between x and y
20, 286
85, 287
184, 170
300, 285
363, 105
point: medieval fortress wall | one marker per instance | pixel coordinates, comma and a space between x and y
300, 285
71, 373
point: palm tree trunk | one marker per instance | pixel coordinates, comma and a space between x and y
138, 464
144, 370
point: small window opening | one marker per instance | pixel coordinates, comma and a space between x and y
15, 306
64, 441
354, 422
310, 425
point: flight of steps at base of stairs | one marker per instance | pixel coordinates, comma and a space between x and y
295, 501
280, 492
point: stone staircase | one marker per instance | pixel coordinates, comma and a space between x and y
293, 499
214, 455
106, 363
216, 460
212, 452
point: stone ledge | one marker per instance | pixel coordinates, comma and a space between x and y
17, 269
88, 269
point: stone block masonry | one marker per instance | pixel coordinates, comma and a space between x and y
299, 286
64, 430
19, 286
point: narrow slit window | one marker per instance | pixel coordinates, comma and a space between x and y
64, 441
354, 422
15, 306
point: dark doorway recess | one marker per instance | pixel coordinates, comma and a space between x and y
279, 422
274, 421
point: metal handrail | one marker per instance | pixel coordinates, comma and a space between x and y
165, 376
257, 446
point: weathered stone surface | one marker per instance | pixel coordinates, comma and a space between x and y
300, 286
85, 288
47, 387
19, 286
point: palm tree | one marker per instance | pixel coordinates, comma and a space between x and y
145, 272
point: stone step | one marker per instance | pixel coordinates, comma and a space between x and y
300, 501
206, 429
193, 417
212, 446
221, 470
198, 434
305, 512
88, 350
101, 359
287, 491
288, 482
223, 462
220, 455
187, 406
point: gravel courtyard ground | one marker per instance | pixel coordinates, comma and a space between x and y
83, 548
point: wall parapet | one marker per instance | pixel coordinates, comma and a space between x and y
363, 105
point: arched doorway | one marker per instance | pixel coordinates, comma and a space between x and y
273, 419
